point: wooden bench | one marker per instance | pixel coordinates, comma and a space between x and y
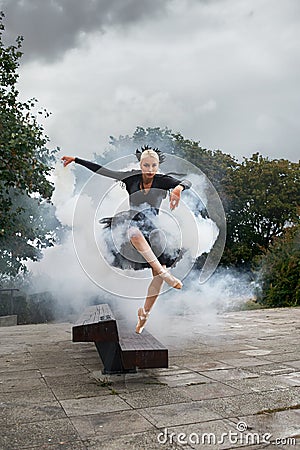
121, 350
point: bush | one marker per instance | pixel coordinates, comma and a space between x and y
280, 271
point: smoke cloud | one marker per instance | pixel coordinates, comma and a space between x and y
50, 28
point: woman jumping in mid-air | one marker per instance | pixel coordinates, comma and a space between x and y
146, 189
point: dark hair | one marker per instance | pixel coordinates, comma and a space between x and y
161, 156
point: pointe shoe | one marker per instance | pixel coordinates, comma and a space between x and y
142, 319
170, 279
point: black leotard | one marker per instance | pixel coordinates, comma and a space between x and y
143, 209
132, 180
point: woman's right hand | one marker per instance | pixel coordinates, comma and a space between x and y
67, 160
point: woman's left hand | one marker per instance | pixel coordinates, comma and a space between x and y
175, 197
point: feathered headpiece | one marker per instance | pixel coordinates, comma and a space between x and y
161, 156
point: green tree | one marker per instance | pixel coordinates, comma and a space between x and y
24, 170
280, 271
214, 163
263, 198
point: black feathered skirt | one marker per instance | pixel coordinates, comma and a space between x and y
120, 252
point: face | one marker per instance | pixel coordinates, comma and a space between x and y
149, 166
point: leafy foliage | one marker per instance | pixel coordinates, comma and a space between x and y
280, 271
24, 168
264, 196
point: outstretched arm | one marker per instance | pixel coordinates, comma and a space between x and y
117, 175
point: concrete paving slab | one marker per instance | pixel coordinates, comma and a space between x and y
183, 379
262, 383
14, 359
110, 424
241, 354
219, 346
43, 362
149, 397
243, 361
70, 379
283, 399
254, 403
283, 426
295, 364
17, 374
19, 411
180, 413
216, 435
198, 362
282, 356
213, 383
208, 390
207, 365
173, 368
292, 379
35, 396
57, 371
37, 434
93, 405
229, 374
129, 385
271, 369
20, 384
135, 441
76, 390
173, 371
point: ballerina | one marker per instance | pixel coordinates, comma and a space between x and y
141, 247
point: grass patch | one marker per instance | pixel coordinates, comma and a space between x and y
113, 392
104, 382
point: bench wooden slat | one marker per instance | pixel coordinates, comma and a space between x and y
142, 350
96, 324
129, 340
96, 313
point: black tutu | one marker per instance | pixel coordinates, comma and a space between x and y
120, 252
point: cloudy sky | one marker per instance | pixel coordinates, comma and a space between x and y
222, 72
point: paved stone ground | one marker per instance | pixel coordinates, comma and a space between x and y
234, 387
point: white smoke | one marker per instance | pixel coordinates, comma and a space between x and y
59, 271
196, 309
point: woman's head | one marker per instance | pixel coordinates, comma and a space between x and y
149, 163
148, 151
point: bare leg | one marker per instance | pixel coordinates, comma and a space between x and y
139, 242
152, 295
153, 291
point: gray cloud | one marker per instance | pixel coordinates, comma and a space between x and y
224, 72
50, 28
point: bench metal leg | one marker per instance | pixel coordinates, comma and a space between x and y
110, 355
